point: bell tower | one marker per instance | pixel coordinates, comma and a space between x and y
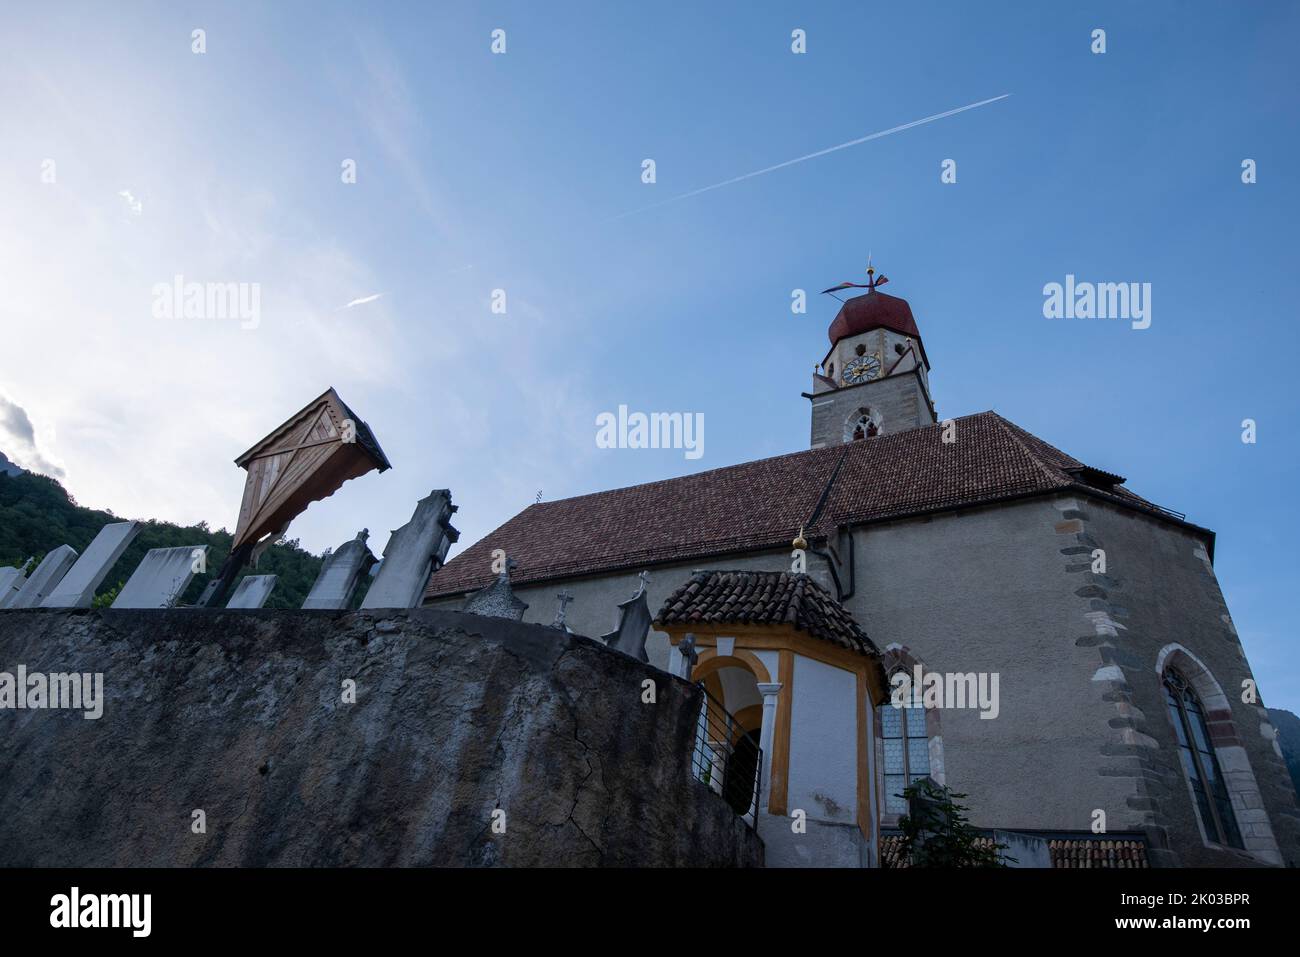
875, 380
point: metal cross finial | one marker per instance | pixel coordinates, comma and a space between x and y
564, 598
645, 580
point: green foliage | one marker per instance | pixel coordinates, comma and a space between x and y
943, 836
105, 599
37, 515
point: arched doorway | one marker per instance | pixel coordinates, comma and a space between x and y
731, 726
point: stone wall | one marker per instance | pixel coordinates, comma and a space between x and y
240, 714
1159, 605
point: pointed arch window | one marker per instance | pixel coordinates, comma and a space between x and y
1200, 764
907, 749
863, 425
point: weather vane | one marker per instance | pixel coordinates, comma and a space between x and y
872, 282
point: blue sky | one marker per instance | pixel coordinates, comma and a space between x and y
478, 171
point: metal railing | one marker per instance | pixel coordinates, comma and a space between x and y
728, 759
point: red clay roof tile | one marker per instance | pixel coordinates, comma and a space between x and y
763, 504
763, 598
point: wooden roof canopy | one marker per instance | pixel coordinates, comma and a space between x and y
305, 459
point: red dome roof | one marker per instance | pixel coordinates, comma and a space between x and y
873, 311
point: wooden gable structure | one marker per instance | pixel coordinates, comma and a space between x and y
302, 461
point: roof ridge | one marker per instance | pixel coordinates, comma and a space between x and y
1014, 432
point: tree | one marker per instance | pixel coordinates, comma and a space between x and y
937, 833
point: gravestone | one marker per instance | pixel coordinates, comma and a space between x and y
413, 553
162, 577
252, 591
633, 624
47, 576
340, 573
688, 656
77, 588
562, 600
497, 600
11, 579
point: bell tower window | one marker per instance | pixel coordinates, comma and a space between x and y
863, 424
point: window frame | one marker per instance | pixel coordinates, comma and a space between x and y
1177, 689
919, 713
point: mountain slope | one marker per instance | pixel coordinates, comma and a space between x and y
1288, 735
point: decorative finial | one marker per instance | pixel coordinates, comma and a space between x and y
799, 541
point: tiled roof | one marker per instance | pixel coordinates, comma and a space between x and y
763, 598
1089, 852
891, 846
1079, 852
762, 504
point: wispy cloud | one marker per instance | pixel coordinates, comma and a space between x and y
808, 156
132, 203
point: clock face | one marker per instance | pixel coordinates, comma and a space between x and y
861, 369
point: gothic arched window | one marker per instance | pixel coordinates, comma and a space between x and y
907, 748
1199, 761
862, 425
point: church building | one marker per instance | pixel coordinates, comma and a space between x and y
1104, 697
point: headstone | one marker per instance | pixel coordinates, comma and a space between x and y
689, 656
633, 624
252, 591
11, 579
497, 600
340, 573
47, 576
162, 577
562, 598
413, 553
77, 588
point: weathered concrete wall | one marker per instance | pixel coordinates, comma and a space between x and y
240, 714
986, 591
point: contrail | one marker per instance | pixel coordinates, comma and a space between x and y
801, 159
362, 301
